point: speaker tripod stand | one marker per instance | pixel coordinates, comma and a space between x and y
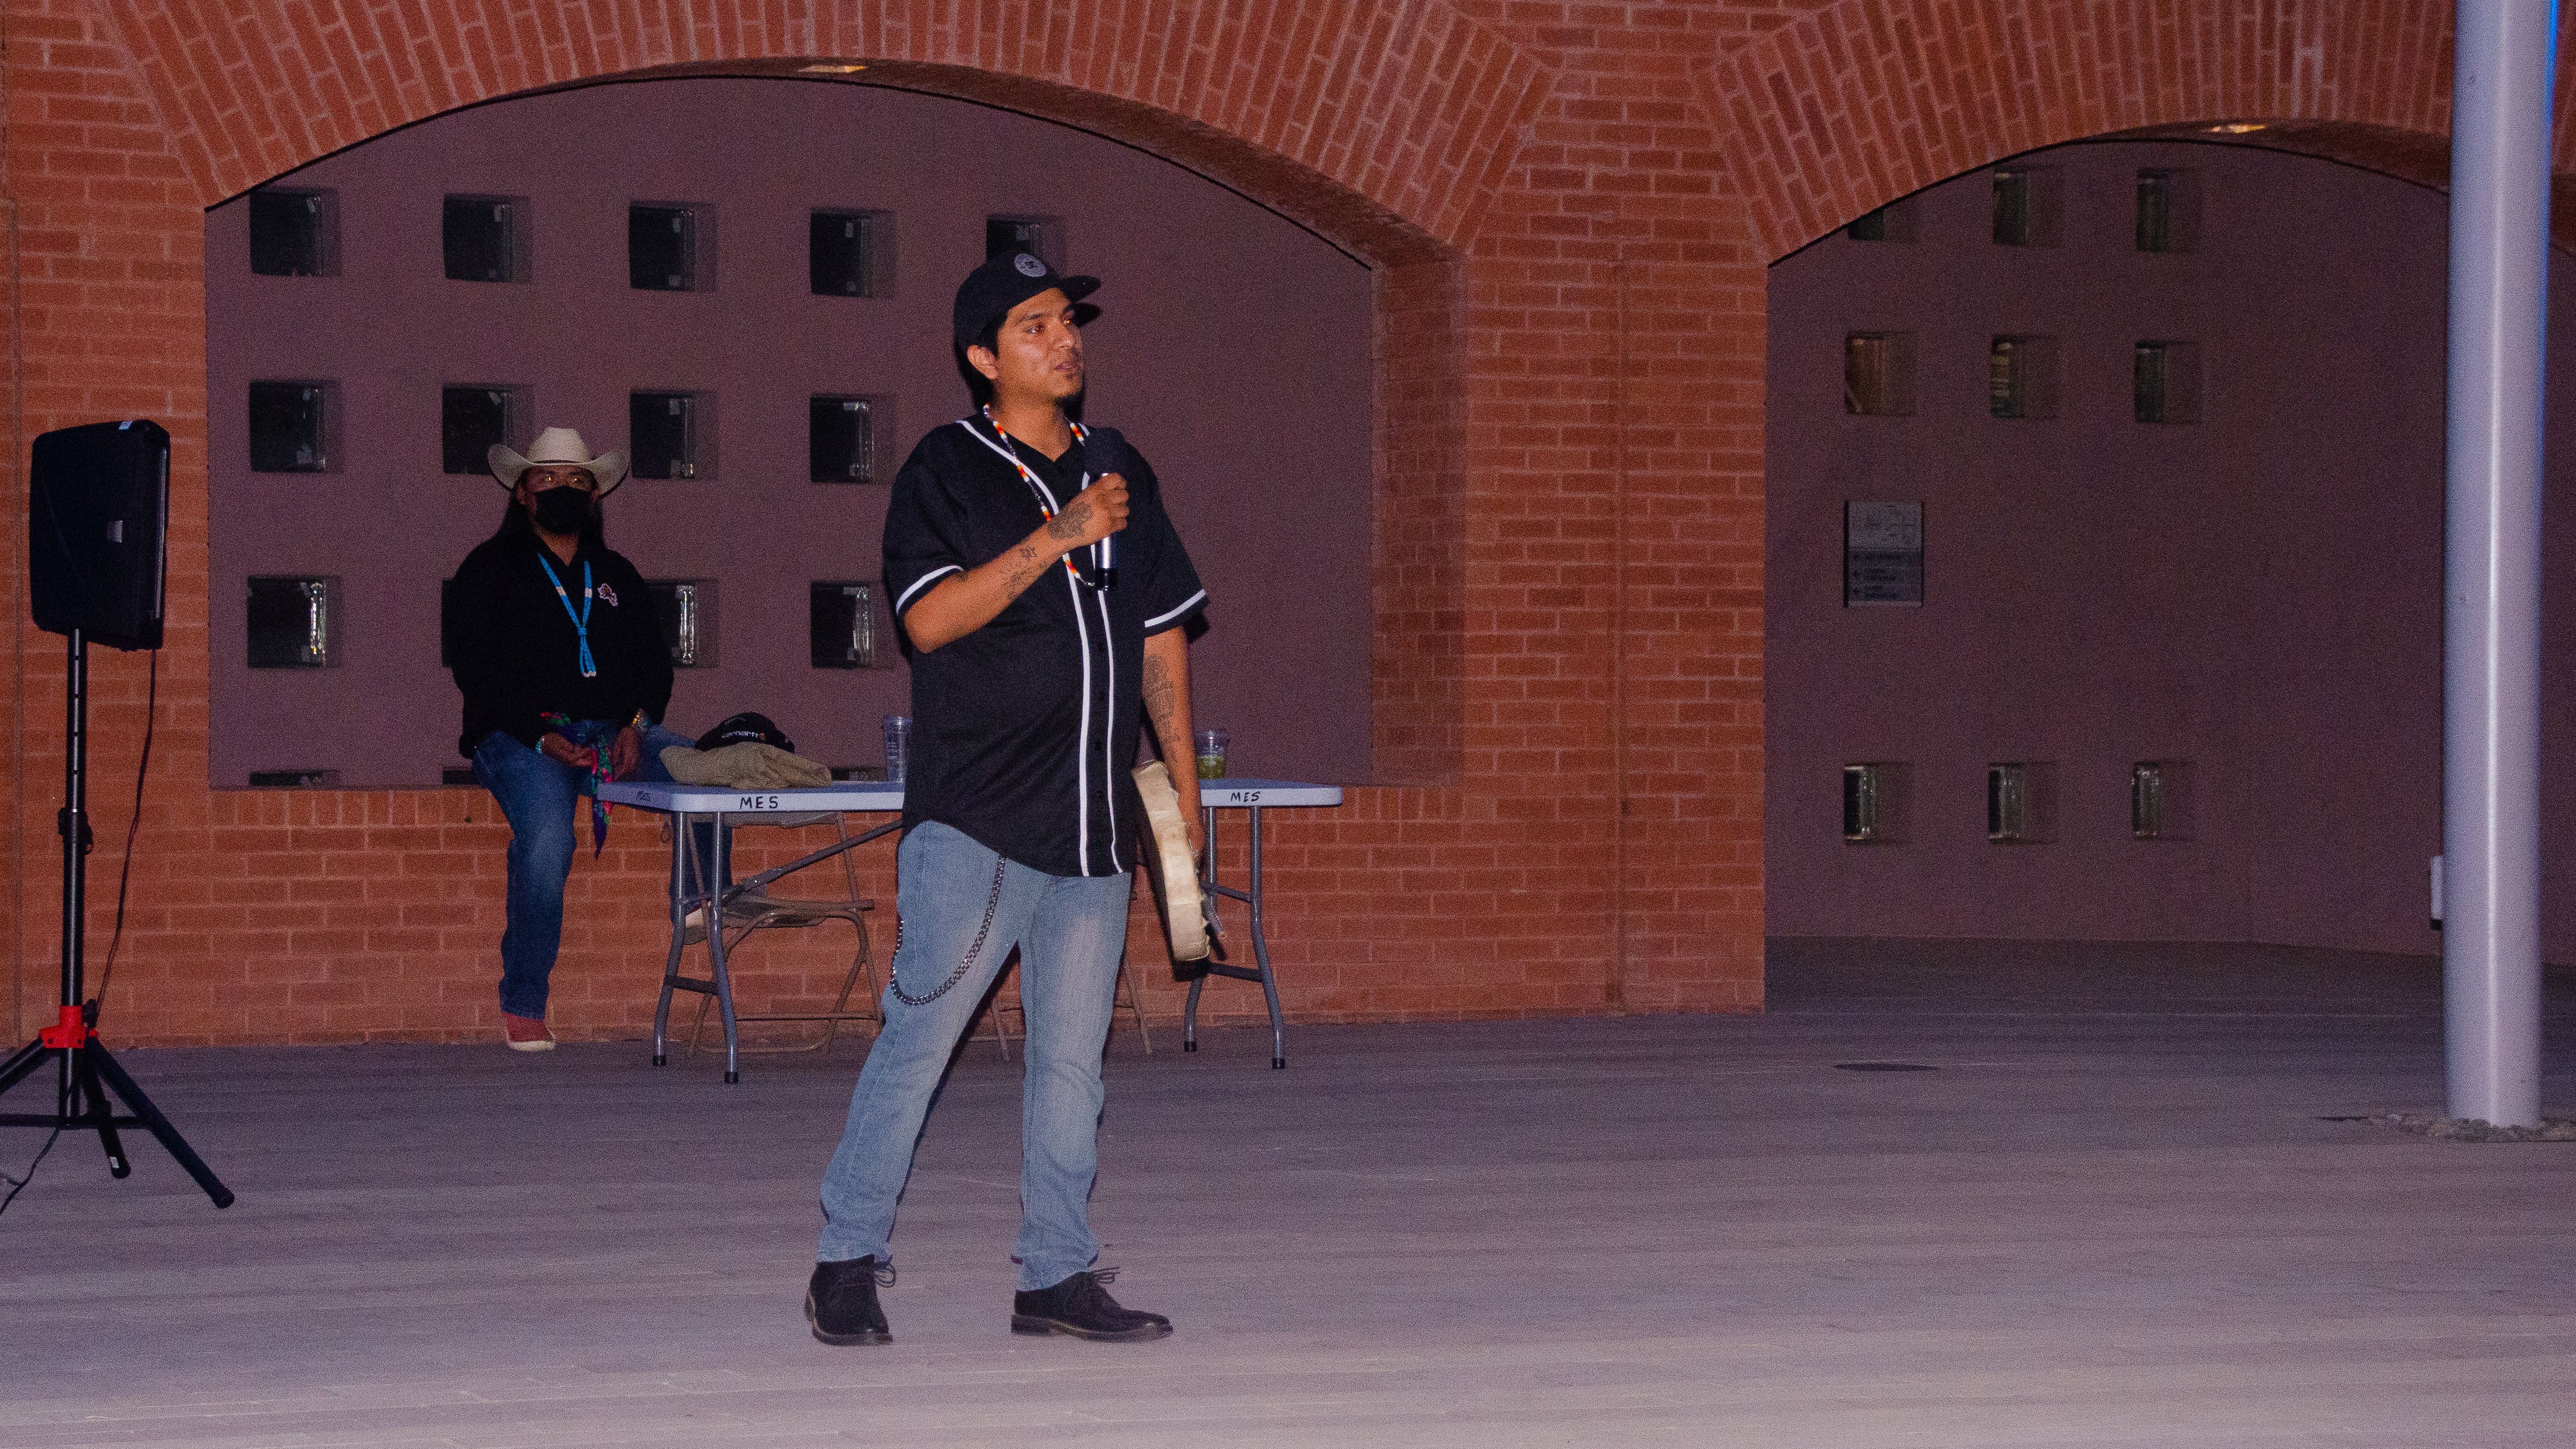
85, 1075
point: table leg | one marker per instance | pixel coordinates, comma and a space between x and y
718, 882
1261, 954
1207, 855
682, 879
1207, 884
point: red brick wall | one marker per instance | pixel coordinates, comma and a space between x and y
108, 321
1572, 205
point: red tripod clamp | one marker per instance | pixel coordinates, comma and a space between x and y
70, 1034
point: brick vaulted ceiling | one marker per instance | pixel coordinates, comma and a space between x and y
1864, 101
1416, 108
1409, 104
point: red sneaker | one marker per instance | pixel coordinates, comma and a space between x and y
526, 1033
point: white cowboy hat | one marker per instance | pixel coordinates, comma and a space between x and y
558, 448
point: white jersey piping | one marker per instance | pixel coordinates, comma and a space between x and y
1082, 741
905, 599
1159, 620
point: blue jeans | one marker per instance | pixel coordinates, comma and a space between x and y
961, 910
538, 796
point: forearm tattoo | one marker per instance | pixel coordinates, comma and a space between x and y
1162, 705
1070, 523
1024, 569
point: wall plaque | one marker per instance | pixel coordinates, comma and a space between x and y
1882, 553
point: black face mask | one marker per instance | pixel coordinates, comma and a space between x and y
563, 510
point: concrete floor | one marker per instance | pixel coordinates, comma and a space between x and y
2113, 1216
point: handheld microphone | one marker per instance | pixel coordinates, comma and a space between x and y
1104, 558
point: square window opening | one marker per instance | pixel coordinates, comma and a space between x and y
1878, 374
1874, 803
1040, 236
2026, 212
2021, 378
294, 427
686, 610
842, 439
671, 434
472, 418
2168, 211
1894, 222
293, 621
2167, 382
842, 624
670, 248
299, 778
485, 238
2020, 803
294, 233
2160, 800
851, 254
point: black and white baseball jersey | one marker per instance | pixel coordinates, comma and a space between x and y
1025, 730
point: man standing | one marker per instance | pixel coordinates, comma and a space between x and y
1043, 592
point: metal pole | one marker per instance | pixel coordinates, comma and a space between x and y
2500, 120
74, 823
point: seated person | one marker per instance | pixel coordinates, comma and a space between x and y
553, 639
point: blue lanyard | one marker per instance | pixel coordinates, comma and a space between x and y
580, 621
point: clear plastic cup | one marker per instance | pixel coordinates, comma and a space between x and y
1211, 750
898, 745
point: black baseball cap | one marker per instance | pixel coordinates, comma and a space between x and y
745, 728
990, 291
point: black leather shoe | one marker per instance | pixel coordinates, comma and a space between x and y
1082, 1307
841, 1302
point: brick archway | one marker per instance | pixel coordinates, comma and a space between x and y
1864, 101
1412, 105
1385, 127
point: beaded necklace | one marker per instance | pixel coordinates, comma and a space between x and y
1038, 489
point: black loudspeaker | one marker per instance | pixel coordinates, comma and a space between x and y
100, 505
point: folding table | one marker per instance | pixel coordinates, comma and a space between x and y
1252, 796
708, 884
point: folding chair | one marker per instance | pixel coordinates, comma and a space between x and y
756, 909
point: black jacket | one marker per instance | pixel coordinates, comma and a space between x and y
515, 654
